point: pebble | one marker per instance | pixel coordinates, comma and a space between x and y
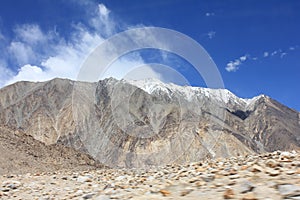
119, 178
11, 184
186, 191
88, 196
289, 190
236, 176
228, 194
294, 198
165, 192
249, 196
291, 172
208, 177
257, 168
272, 172
4, 189
286, 154
246, 186
296, 163
78, 193
83, 179
102, 197
271, 163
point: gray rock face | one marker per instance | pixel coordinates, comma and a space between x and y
142, 123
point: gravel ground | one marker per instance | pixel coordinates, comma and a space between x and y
269, 176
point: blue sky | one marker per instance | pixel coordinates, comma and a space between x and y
255, 44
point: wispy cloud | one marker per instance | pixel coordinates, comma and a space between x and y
276, 52
30, 34
243, 58
1, 36
233, 66
211, 34
283, 54
209, 14
266, 54
102, 21
279, 52
21, 52
65, 61
293, 48
45, 55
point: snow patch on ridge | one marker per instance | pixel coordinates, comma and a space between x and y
190, 93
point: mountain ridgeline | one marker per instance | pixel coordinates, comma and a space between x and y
142, 123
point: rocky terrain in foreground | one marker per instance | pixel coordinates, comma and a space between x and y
267, 176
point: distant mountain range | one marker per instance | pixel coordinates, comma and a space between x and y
143, 123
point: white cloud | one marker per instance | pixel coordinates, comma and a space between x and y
63, 58
65, 63
233, 66
21, 52
283, 54
1, 36
102, 22
266, 54
28, 44
274, 53
292, 48
211, 34
29, 73
279, 52
209, 14
243, 58
60, 58
103, 10
30, 33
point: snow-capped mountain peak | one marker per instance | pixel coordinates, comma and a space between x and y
189, 92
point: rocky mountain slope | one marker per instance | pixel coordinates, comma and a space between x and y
21, 154
142, 123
